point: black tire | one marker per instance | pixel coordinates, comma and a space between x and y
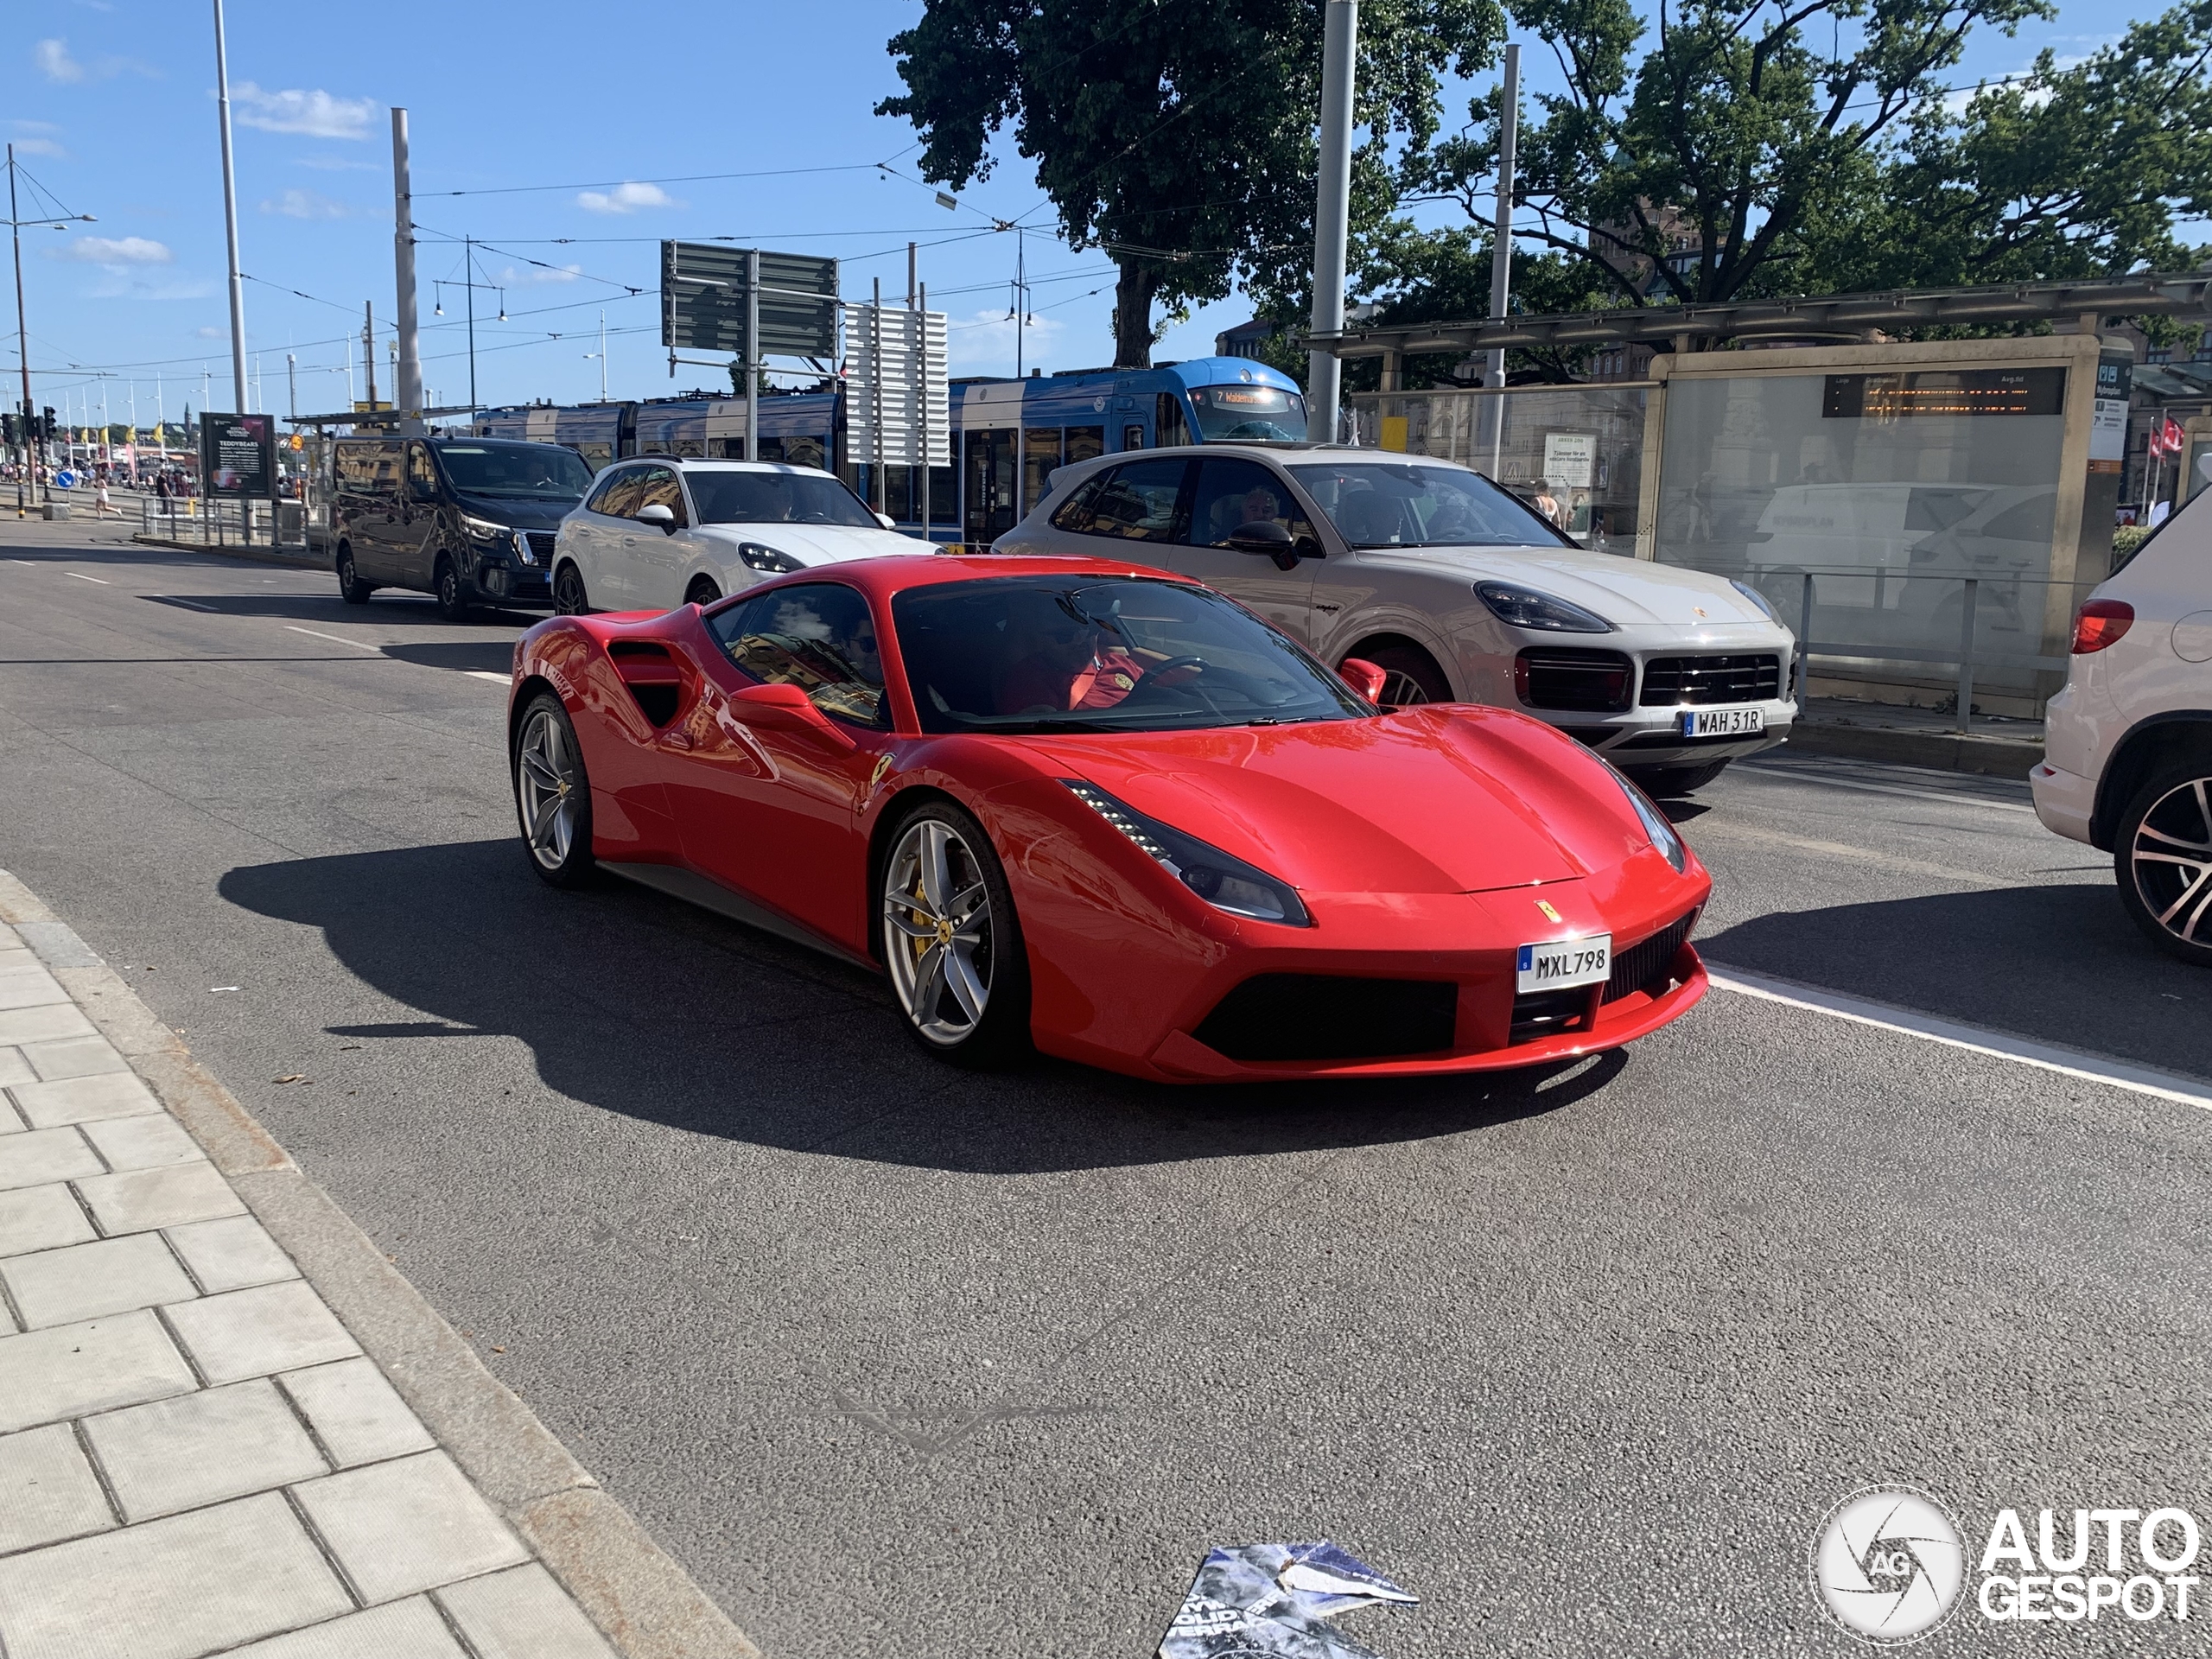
556, 822
1664, 783
941, 1019
2162, 858
703, 592
1410, 675
569, 596
350, 587
453, 602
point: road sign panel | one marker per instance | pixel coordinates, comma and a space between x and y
703, 302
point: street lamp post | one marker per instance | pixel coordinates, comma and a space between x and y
16, 223
229, 219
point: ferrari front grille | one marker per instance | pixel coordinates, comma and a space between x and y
1541, 1014
1643, 966
1579, 682
1670, 681
1327, 1017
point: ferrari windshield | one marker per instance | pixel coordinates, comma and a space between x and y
735, 497
1407, 504
1027, 654
541, 471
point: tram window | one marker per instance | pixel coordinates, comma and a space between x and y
1085, 444
944, 495
1168, 420
899, 493
1040, 456
772, 448
802, 452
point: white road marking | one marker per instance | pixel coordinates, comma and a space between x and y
335, 640
80, 576
1797, 774
2048, 1057
487, 674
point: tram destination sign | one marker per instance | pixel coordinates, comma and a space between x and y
703, 302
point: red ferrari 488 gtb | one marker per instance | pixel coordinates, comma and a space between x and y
1109, 812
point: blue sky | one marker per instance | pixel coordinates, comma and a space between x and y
578, 136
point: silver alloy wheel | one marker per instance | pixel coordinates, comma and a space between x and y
1400, 690
569, 598
548, 788
938, 936
2171, 862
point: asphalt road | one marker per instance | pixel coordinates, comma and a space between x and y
904, 1362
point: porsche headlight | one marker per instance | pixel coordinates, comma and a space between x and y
1226, 883
1756, 597
1663, 833
757, 555
1524, 607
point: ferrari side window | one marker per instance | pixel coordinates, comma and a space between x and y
817, 636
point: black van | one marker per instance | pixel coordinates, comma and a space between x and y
469, 519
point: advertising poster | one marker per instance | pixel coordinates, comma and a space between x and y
237, 456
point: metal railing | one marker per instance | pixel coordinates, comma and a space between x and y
206, 522
1976, 607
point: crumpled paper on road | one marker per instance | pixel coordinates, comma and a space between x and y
1272, 1601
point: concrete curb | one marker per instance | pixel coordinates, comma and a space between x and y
258, 555
645, 1604
1993, 757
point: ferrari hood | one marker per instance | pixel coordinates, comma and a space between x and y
1628, 592
1429, 800
817, 543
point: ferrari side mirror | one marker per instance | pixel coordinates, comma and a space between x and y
1364, 676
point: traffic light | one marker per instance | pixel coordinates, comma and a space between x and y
8, 430
51, 429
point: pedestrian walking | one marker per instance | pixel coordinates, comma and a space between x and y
101, 505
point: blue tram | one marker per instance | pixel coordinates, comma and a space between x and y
1007, 436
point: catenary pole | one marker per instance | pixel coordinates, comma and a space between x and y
922, 289
1501, 255
752, 354
407, 396
1339, 65
22, 332
230, 216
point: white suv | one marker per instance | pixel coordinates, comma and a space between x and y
2127, 766
1452, 587
661, 531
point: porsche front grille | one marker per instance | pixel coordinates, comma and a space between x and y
1582, 682
1671, 682
1328, 1017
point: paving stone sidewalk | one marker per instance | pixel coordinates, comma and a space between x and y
196, 1456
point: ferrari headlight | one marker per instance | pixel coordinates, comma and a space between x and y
1226, 883
1524, 607
1663, 833
757, 555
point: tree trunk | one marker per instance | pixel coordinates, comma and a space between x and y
1132, 295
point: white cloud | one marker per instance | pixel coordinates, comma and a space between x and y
206, 331
40, 147
55, 63
306, 204
512, 277
984, 343
33, 126
116, 250
317, 114
626, 198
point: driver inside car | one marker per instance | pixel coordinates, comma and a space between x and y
1069, 663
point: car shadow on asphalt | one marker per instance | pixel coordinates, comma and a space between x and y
307, 607
2055, 965
640, 1005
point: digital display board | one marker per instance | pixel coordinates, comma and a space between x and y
1943, 392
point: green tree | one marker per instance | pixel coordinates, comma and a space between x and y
1724, 155
1179, 137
